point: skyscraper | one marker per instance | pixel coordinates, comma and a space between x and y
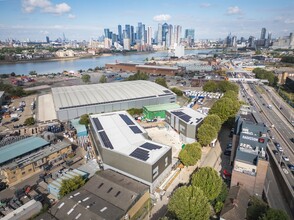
144, 36
159, 34
119, 33
164, 32
149, 35
170, 36
262, 35
177, 34
190, 35
106, 33
132, 37
47, 40
128, 31
139, 31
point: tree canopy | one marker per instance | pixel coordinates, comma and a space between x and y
264, 74
177, 91
29, 121
84, 119
208, 180
135, 111
103, 79
210, 86
161, 81
86, 78
230, 94
287, 59
275, 214
213, 120
218, 203
70, 185
205, 134
138, 76
189, 202
190, 154
222, 86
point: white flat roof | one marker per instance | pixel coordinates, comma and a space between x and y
158, 67
82, 95
188, 115
122, 138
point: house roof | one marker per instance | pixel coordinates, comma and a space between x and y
235, 207
21, 147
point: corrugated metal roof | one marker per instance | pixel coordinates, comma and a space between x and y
74, 96
158, 67
161, 107
21, 147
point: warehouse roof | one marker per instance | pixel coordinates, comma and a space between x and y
21, 147
161, 107
158, 67
119, 132
188, 115
85, 95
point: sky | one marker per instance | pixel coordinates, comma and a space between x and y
86, 19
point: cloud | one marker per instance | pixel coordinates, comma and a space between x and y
162, 17
71, 16
45, 6
289, 21
205, 5
234, 10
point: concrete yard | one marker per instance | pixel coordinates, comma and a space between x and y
46, 111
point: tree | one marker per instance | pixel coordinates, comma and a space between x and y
205, 134
275, 214
29, 121
189, 202
70, 185
177, 91
190, 154
135, 111
214, 121
138, 76
230, 94
218, 203
210, 86
225, 86
84, 119
256, 209
103, 79
12, 74
161, 81
264, 74
86, 78
208, 180
33, 73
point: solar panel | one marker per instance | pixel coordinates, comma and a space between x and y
177, 113
126, 119
135, 129
140, 154
185, 117
105, 139
150, 146
166, 91
97, 124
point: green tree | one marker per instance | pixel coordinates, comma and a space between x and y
189, 202
190, 155
86, 78
287, 59
206, 134
33, 73
208, 180
161, 81
177, 91
103, 79
275, 214
138, 76
256, 209
210, 86
264, 74
84, 119
225, 86
135, 111
258, 52
230, 94
214, 121
29, 121
12, 74
70, 185
218, 203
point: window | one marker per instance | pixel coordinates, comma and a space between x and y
155, 172
109, 190
166, 162
30, 170
23, 173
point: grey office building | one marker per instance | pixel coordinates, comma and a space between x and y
186, 122
73, 101
123, 146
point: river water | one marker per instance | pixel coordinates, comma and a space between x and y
55, 66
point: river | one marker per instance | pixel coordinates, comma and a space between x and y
55, 66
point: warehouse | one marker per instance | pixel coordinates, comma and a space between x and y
186, 122
124, 147
73, 101
158, 111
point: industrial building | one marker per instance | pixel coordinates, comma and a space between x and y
186, 122
73, 101
1, 97
23, 158
158, 111
123, 146
249, 152
149, 69
107, 195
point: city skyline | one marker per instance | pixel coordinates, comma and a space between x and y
34, 20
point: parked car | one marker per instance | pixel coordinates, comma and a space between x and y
228, 153
285, 158
291, 167
275, 152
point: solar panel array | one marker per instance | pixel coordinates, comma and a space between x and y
135, 129
97, 124
105, 139
140, 154
182, 115
126, 119
150, 146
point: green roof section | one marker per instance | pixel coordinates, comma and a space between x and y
21, 147
162, 107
